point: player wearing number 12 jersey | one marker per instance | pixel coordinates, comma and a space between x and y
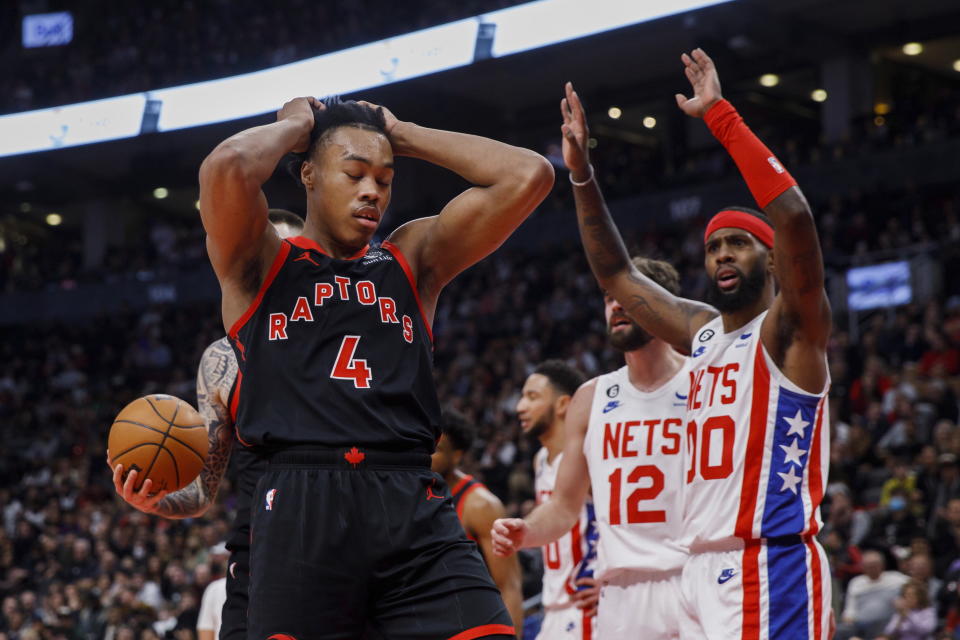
757, 444
333, 344
623, 443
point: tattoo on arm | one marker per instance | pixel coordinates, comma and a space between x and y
218, 370
601, 239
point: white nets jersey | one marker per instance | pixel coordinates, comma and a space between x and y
757, 445
633, 448
573, 555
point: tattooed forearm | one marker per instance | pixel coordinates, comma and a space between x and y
601, 240
218, 370
657, 310
185, 503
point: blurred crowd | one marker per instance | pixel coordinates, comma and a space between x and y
162, 44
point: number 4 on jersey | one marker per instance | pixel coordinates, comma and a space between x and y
346, 368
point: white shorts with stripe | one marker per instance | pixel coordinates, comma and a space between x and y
776, 590
636, 605
568, 623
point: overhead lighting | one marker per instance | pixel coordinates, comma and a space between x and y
592, 143
160, 193
197, 205
879, 121
649, 122
819, 95
913, 48
956, 65
54, 219
614, 112
25, 207
881, 108
769, 79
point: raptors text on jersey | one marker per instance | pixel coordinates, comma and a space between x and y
336, 353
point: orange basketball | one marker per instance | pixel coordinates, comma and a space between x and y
163, 438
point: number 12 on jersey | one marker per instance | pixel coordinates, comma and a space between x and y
634, 514
348, 368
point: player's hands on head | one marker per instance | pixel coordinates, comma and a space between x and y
703, 77
142, 500
587, 595
390, 119
300, 110
508, 535
576, 135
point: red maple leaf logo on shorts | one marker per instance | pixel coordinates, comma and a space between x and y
354, 456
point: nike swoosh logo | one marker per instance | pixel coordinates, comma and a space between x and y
679, 397
726, 575
746, 335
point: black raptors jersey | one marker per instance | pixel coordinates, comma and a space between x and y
335, 353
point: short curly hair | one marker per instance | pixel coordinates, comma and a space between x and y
335, 114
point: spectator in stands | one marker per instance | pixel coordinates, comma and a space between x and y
870, 598
920, 568
946, 536
915, 617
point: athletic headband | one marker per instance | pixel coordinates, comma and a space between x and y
741, 220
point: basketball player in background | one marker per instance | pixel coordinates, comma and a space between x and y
757, 444
335, 381
570, 591
216, 379
624, 434
477, 508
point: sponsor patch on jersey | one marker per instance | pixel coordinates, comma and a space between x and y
271, 495
376, 256
706, 335
725, 575
610, 406
698, 352
614, 391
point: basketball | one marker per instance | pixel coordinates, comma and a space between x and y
163, 438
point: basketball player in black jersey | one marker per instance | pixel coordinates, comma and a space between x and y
216, 382
477, 507
333, 345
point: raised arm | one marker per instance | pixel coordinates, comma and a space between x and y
233, 208
508, 183
672, 319
555, 517
218, 370
800, 314
483, 509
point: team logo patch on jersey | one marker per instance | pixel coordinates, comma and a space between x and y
269, 499
698, 352
610, 406
725, 575
706, 335
614, 391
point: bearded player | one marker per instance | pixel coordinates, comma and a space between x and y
570, 590
624, 434
756, 453
216, 383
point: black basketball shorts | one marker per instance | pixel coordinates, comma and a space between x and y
349, 540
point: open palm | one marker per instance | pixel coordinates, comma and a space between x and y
575, 133
702, 75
